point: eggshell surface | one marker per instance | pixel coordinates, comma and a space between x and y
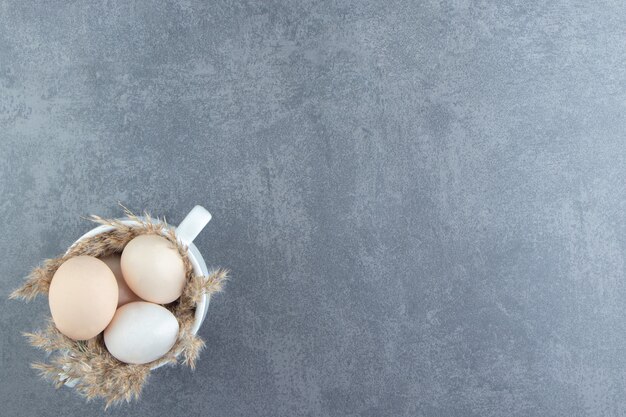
125, 294
141, 332
82, 297
153, 269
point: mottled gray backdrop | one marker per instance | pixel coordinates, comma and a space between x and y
422, 202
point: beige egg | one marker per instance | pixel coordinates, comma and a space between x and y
125, 294
82, 297
153, 269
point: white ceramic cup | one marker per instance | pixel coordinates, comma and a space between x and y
186, 232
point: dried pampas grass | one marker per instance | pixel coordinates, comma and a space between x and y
88, 364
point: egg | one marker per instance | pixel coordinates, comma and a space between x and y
82, 297
153, 269
125, 294
141, 332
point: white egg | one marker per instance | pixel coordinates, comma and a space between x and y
141, 332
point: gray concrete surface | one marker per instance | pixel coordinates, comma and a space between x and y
422, 203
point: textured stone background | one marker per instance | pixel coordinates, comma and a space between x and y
422, 203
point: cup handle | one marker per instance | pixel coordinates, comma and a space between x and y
192, 224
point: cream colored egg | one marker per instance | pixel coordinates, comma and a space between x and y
125, 294
82, 297
153, 269
141, 332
